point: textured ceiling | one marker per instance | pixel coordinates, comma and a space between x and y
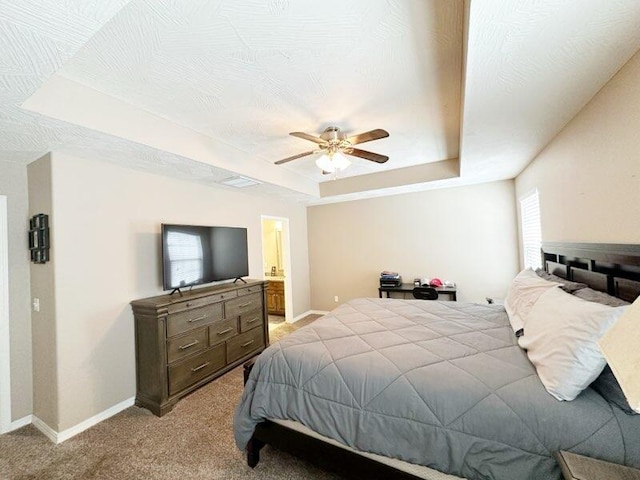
36, 39
241, 75
248, 73
531, 66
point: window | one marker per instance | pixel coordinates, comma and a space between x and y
531, 232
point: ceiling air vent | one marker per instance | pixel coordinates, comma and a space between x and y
239, 182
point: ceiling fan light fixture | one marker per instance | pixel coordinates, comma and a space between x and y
324, 163
333, 162
340, 161
335, 145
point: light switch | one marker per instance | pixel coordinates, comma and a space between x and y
36, 304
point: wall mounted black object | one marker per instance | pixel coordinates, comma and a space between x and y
39, 238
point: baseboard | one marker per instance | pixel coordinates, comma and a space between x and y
59, 437
45, 429
308, 312
16, 424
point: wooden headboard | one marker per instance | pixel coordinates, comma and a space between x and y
608, 267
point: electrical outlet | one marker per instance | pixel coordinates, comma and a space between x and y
36, 304
335, 299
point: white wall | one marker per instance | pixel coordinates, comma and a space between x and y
13, 184
466, 234
588, 177
107, 249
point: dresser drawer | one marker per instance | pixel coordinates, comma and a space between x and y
191, 370
244, 304
251, 289
250, 320
184, 321
201, 302
222, 330
244, 344
192, 342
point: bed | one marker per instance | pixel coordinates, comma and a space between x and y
385, 388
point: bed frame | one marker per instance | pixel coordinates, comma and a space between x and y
610, 268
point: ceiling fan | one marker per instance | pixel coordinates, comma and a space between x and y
335, 145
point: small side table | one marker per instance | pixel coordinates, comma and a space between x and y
579, 467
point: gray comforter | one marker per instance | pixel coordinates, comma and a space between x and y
441, 384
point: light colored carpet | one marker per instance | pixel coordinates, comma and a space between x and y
194, 441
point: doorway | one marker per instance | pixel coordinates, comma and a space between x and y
5, 372
276, 267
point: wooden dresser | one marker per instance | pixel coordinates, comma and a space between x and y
183, 342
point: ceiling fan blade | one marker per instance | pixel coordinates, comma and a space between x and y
368, 136
374, 157
311, 138
294, 157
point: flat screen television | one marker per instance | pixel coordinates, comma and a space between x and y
195, 255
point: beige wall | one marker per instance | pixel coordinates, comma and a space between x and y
13, 184
107, 247
45, 368
588, 177
466, 234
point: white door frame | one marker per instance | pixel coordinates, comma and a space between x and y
5, 345
286, 254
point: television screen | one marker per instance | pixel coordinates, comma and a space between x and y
194, 255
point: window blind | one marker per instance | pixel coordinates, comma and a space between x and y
186, 256
531, 232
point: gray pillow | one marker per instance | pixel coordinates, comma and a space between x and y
607, 385
592, 295
567, 285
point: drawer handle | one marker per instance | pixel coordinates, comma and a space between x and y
253, 319
200, 367
247, 343
227, 330
189, 345
191, 320
245, 304
188, 304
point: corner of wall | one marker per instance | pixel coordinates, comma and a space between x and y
587, 174
43, 337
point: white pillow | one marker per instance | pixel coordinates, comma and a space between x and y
561, 339
523, 292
